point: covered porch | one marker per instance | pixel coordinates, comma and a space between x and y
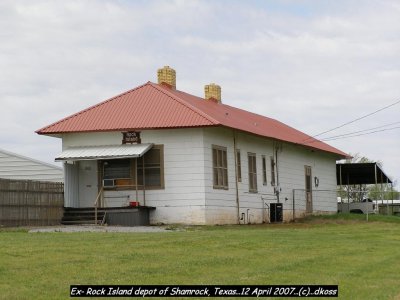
111, 178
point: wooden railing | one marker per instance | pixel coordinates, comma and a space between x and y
99, 201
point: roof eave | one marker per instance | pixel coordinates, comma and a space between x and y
58, 133
339, 154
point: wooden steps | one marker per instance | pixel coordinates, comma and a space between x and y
82, 216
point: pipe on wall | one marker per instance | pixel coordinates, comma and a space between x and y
277, 147
236, 176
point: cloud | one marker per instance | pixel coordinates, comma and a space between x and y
311, 64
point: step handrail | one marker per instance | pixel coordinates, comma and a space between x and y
96, 204
104, 218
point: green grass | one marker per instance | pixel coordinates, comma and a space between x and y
362, 258
353, 217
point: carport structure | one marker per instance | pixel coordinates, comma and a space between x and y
362, 173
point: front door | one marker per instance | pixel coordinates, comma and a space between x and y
308, 191
87, 183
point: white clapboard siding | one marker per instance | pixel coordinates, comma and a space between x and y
183, 199
15, 166
189, 197
221, 205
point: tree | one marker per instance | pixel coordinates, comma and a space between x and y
386, 192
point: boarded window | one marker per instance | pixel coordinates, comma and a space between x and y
264, 170
252, 172
238, 166
272, 171
220, 167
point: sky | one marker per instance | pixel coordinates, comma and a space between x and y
312, 64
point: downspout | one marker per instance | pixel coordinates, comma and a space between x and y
236, 176
277, 172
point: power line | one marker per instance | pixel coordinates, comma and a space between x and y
349, 134
355, 120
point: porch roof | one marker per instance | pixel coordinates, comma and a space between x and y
104, 152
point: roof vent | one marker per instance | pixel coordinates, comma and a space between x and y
167, 76
213, 92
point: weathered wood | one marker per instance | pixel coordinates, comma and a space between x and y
30, 203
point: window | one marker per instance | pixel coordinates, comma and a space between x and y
153, 168
238, 166
121, 173
220, 167
252, 172
264, 170
117, 169
272, 171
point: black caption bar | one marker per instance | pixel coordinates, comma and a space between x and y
204, 291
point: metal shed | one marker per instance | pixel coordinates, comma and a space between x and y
17, 167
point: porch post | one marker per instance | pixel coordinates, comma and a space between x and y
144, 183
136, 179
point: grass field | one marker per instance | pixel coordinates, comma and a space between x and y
362, 258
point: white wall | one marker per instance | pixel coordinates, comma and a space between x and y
189, 196
292, 160
183, 198
71, 185
221, 205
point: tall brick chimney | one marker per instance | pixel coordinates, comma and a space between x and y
212, 92
167, 76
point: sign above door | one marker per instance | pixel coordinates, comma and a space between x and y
131, 137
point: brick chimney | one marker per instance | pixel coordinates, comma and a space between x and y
212, 92
167, 76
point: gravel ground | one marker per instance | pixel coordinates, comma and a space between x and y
93, 228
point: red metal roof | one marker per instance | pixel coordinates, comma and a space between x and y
153, 106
